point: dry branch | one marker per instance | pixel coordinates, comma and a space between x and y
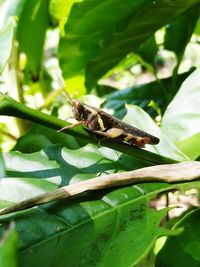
170, 173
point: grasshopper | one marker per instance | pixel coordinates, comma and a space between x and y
107, 126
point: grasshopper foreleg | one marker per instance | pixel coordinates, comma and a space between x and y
70, 126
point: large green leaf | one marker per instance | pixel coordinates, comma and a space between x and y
183, 249
116, 225
95, 41
182, 117
8, 248
84, 33
6, 36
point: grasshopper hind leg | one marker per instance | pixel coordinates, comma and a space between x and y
112, 133
118, 135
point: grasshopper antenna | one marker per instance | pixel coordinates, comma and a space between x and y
63, 88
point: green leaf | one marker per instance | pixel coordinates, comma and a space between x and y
120, 43
99, 48
13, 8
183, 249
59, 166
59, 10
33, 20
6, 36
197, 29
2, 167
115, 228
182, 117
116, 224
190, 146
84, 33
142, 95
147, 52
39, 137
8, 248
138, 118
179, 32
63, 164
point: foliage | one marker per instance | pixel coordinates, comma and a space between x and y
8, 248
185, 246
94, 42
6, 35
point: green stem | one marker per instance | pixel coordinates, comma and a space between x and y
10, 107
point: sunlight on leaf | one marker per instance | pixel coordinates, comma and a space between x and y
75, 85
6, 36
191, 146
182, 117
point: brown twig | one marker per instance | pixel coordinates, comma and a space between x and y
170, 173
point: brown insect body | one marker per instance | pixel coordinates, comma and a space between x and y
110, 127
105, 125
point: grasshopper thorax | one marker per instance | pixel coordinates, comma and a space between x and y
78, 110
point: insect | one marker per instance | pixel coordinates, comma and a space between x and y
106, 126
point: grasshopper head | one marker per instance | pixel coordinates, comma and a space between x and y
78, 110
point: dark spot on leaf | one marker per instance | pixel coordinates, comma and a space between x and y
122, 226
137, 213
103, 237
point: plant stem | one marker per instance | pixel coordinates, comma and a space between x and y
10, 107
172, 173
